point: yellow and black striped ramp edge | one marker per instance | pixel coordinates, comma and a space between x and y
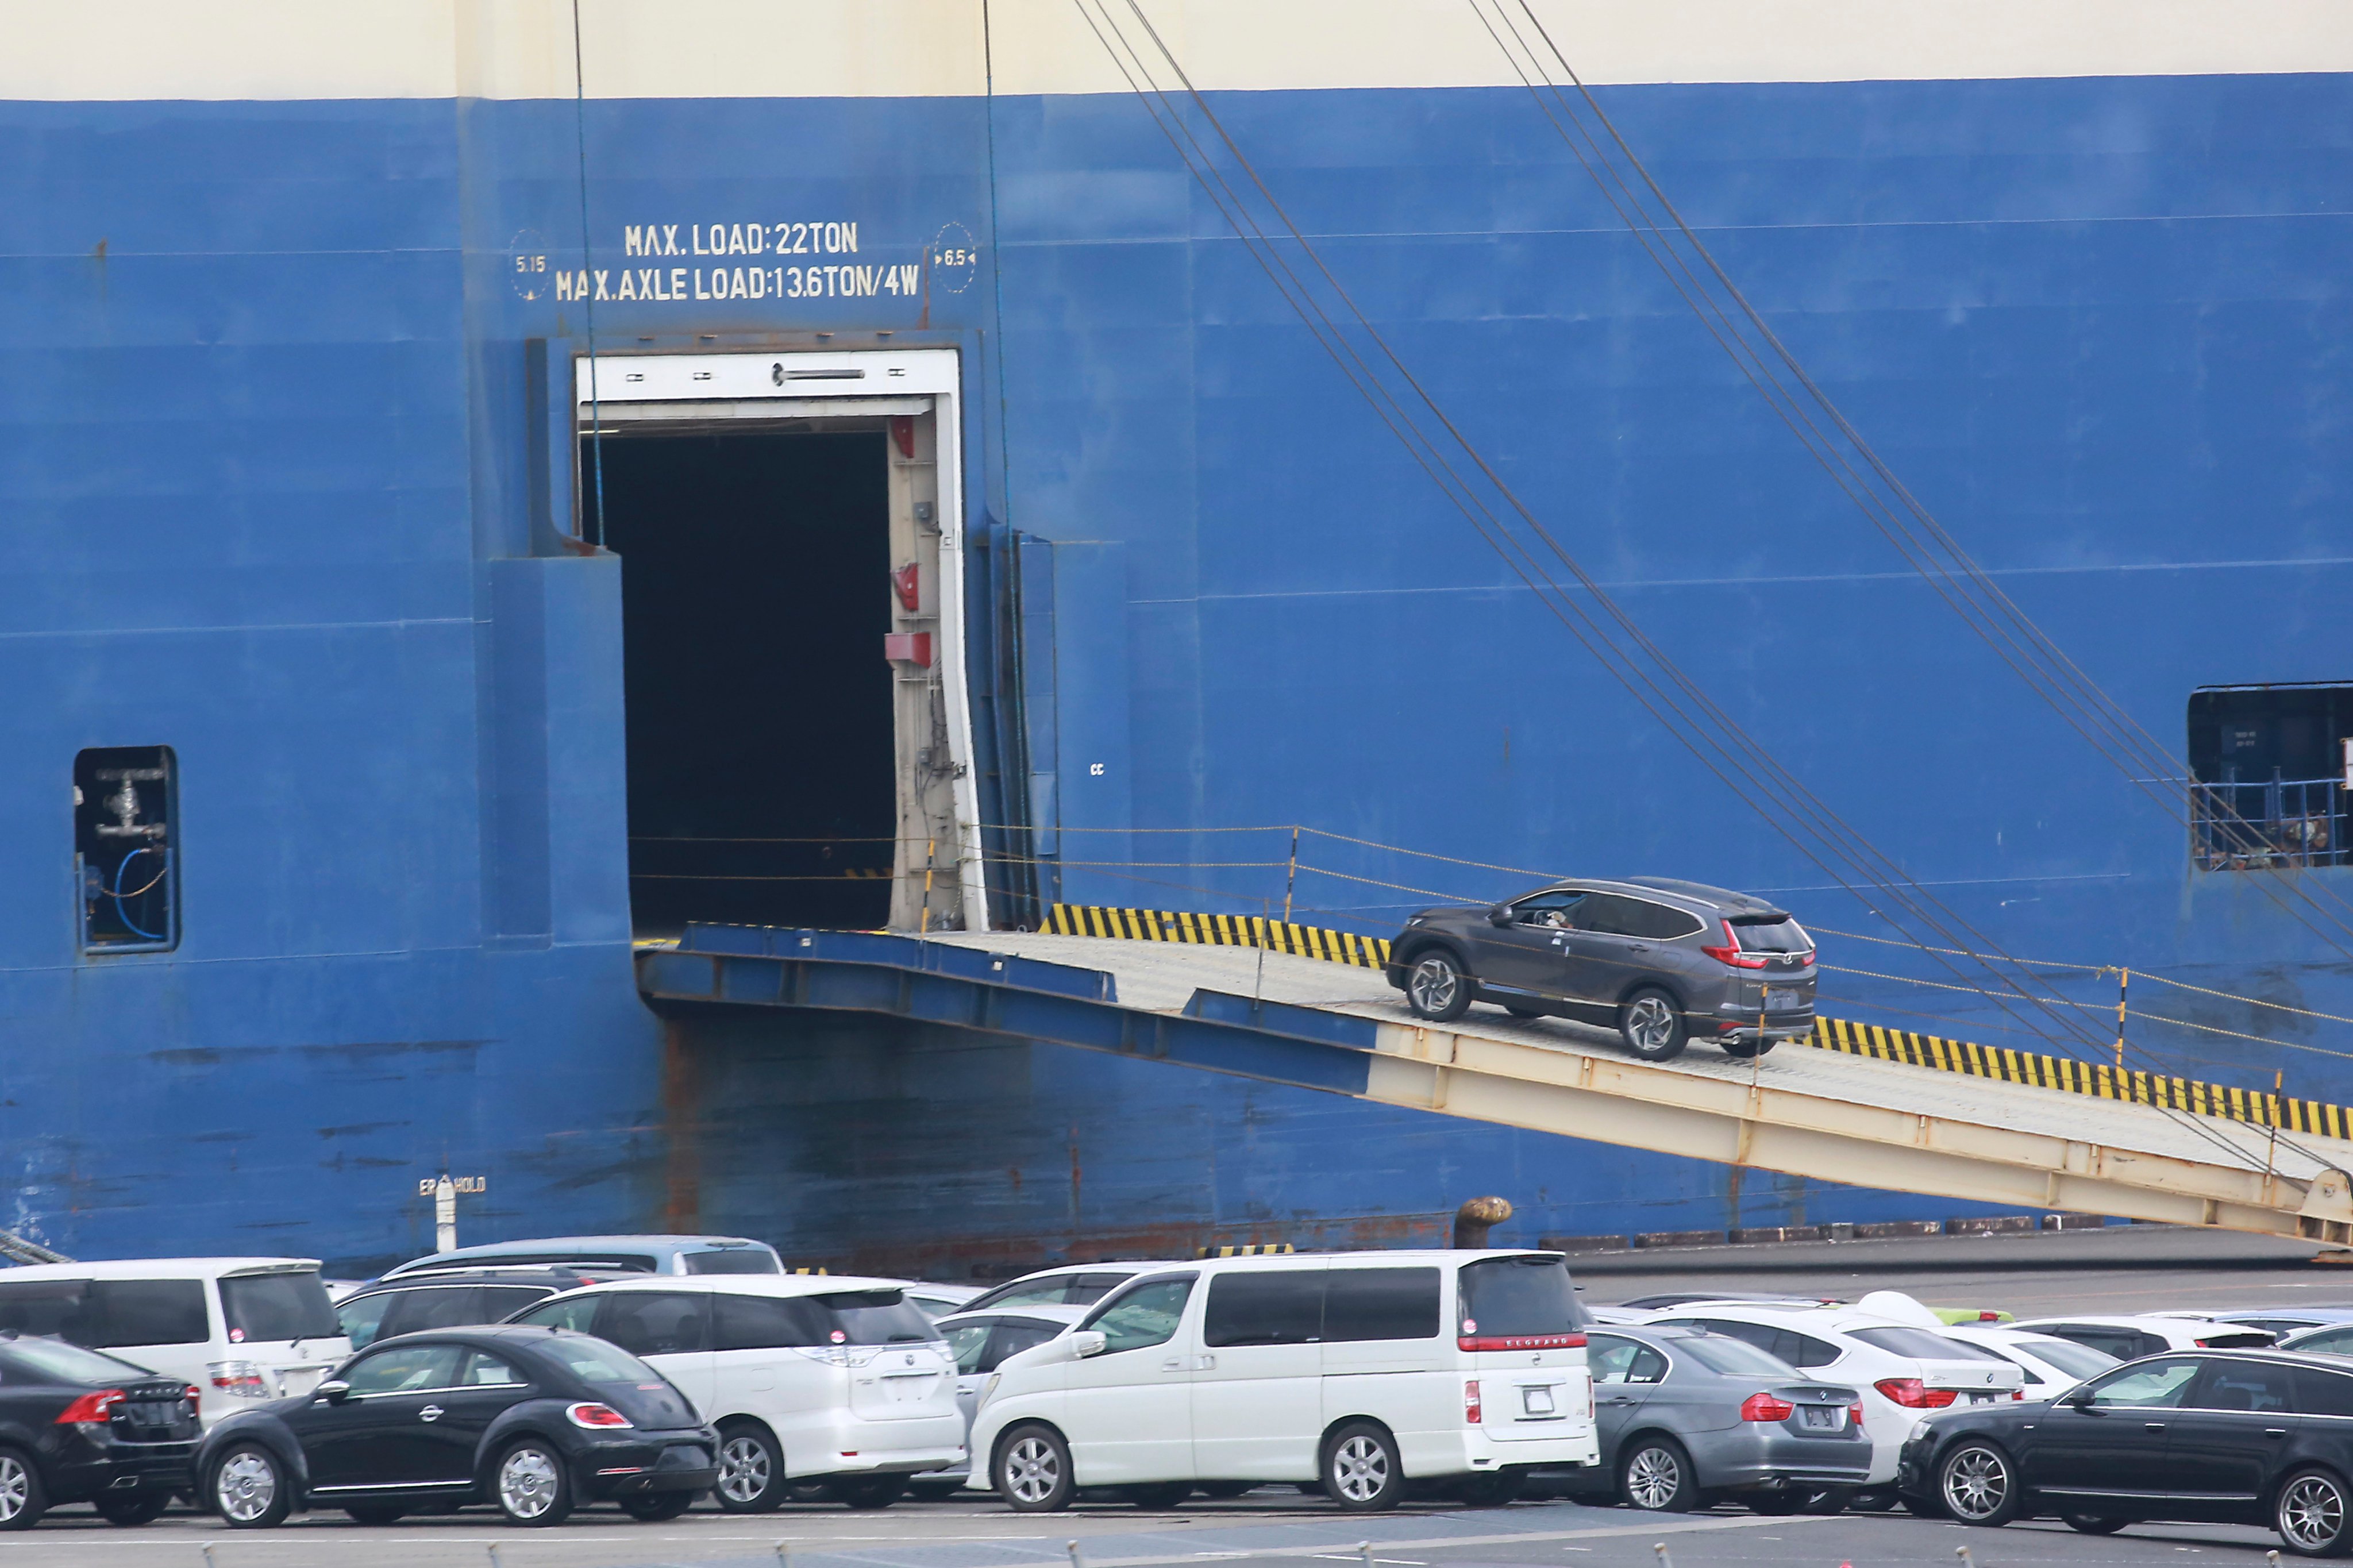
1218, 931
1249, 1249
2001, 1062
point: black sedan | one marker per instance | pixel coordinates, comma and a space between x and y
79, 1427
2226, 1437
537, 1421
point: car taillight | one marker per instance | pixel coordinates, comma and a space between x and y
195, 1397
1855, 1413
1731, 953
1470, 1401
91, 1409
2018, 1393
1766, 1407
1913, 1395
241, 1378
595, 1416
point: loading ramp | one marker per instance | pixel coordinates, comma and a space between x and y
1282, 1018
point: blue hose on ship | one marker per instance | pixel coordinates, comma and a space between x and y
121, 912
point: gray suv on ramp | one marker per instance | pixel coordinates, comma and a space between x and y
1661, 961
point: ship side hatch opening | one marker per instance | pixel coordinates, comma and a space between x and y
755, 599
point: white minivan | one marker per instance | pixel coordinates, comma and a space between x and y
1355, 1370
840, 1380
241, 1329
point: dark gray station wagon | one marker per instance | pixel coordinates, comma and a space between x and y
1661, 961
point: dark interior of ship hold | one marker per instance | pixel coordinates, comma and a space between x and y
753, 604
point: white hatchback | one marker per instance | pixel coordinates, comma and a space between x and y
241, 1329
840, 1380
1902, 1368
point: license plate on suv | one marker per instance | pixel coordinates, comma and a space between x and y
1824, 1415
1781, 1001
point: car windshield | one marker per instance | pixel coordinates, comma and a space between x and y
732, 1260
597, 1360
64, 1363
1736, 1357
1770, 933
1922, 1345
1516, 1297
262, 1308
2075, 1359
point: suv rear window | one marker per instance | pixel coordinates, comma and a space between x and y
266, 1307
1769, 933
877, 1318
1518, 1296
732, 1260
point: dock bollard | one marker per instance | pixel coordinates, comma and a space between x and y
1365, 1553
1660, 1548
208, 1555
1963, 1554
1076, 1561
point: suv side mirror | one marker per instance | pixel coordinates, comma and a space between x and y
1501, 915
334, 1391
2079, 1400
1087, 1342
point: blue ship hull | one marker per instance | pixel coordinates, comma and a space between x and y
269, 501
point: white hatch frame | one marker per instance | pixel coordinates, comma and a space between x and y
740, 385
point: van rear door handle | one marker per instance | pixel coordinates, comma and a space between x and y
2152, 1425
1174, 1363
430, 1412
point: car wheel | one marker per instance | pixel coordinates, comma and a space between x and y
2310, 1514
1436, 987
751, 1471
1361, 1470
375, 1512
868, 1491
1652, 1025
531, 1486
22, 1498
132, 1508
653, 1507
249, 1490
2094, 1523
1161, 1495
1977, 1485
1656, 1474
1033, 1470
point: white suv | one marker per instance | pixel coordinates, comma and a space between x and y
1904, 1369
840, 1380
242, 1329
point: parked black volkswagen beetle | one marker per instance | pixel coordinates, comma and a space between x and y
537, 1421
76, 1426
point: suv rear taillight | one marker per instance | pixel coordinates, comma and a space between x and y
1732, 954
241, 1378
1471, 1401
1766, 1407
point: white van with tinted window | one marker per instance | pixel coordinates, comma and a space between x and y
1359, 1372
841, 1382
240, 1329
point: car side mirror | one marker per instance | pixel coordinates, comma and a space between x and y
334, 1391
1501, 915
1087, 1342
2079, 1400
